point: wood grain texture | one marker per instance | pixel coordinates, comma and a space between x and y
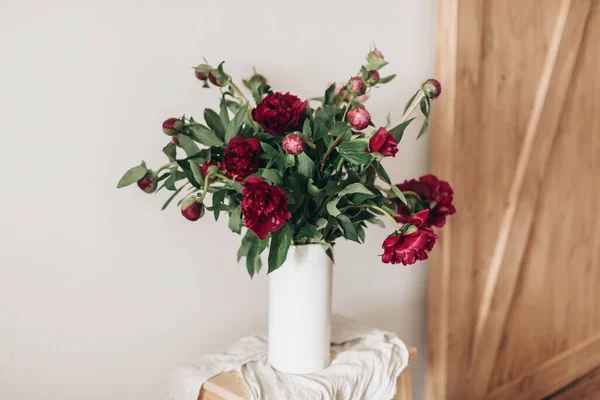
586, 388
230, 386
538, 306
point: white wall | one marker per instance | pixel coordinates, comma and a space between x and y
101, 294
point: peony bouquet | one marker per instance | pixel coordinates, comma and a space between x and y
293, 171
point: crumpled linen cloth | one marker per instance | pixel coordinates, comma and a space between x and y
366, 363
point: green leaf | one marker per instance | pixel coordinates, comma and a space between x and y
386, 79
347, 228
398, 193
235, 220
320, 130
329, 94
280, 244
306, 166
332, 207
187, 144
233, 128
170, 199
410, 101
187, 171
223, 113
376, 64
271, 176
425, 106
355, 188
217, 201
354, 152
170, 182
213, 120
381, 172
423, 128
196, 171
133, 175
377, 221
306, 128
398, 130
202, 134
339, 128
170, 150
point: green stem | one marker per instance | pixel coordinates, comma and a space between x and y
238, 92
390, 216
412, 107
206, 185
167, 165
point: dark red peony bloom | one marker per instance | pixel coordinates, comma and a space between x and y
435, 195
278, 113
359, 118
242, 157
432, 88
411, 246
264, 207
192, 209
293, 144
384, 143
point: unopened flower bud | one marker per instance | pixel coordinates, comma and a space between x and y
374, 56
202, 71
192, 209
359, 118
217, 77
172, 126
373, 78
432, 88
357, 85
293, 144
210, 168
149, 182
174, 140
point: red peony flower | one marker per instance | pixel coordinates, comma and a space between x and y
357, 85
359, 118
264, 207
435, 195
411, 246
278, 113
432, 88
384, 143
293, 144
242, 157
172, 126
192, 209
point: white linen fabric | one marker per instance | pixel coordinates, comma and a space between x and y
366, 363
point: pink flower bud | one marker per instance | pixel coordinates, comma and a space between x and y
432, 88
359, 118
210, 167
202, 71
374, 56
192, 209
149, 182
201, 75
213, 78
357, 85
174, 140
373, 78
293, 144
172, 126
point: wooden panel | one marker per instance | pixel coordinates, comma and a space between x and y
586, 388
517, 136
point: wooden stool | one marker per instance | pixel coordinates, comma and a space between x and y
230, 386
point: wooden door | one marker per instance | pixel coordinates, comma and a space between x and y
514, 298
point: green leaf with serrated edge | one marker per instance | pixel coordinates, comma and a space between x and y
410, 101
329, 94
354, 151
387, 79
423, 128
306, 166
170, 199
236, 123
381, 172
424, 106
398, 193
202, 134
235, 220
347, 228
339, 128
376, 64
398, 130
332, 207
271, 176
170, 150
133, 175
281, 241
213, 120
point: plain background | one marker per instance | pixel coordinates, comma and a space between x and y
101, 294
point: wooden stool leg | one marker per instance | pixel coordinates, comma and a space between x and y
403, 386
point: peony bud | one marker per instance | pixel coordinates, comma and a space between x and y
174, 140
211, 167
149, 182
373, 78
217, 77
172, 126
192, 209
432, 88
202, 71
359, 118
293, 144
357, 85
258, 78
374, 56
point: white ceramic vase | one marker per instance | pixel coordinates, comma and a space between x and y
300, 311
